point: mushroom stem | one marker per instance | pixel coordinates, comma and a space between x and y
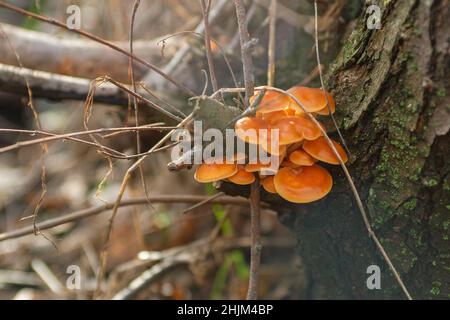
255, 233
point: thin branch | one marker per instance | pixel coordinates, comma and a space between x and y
85, 213
57, 87
222, 51
246, 51
212, 70
319, 66
176, 60
272, 42
97, 39
255, 233
54, 137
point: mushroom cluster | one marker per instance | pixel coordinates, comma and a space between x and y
301, 145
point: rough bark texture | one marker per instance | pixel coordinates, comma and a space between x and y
391, 87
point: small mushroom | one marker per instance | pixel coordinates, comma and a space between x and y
287, 130
268, 185
272, 101
242, 177
320, 150
303, 184
289, 164
249, 129
214, 172
307, 127
312, 99
301, 158
280, 152
261, 168
275, 115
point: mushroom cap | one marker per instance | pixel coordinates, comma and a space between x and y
214, 172
303, 184
248, 129
242, 177
272, 101
312, 99
309, 129
288, 130
320, 150
280, 152
301, 158
325, 111
258, 167
275, 115
268, 185
289, 164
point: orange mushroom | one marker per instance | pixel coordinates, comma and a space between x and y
289, 164
275, 115
320, 150
303, 184
306, 127
262, 168
287, 130
249, 129
242, 177
301, 158
280, 151
312, 99
268, 185
214, 172
272, 101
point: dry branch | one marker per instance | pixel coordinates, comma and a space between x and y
75, 57
81, 214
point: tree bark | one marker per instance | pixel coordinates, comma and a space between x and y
391, 87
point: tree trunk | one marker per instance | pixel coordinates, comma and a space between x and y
391, 88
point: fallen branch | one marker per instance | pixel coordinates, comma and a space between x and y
85, 213
74, 57
99, 40
59, 87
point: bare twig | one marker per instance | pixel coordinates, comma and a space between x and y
212, 70
319, 66
202, 203
55, 86
272, 42
97, 39
255, 232
170, 67
222, 51
246, 50
135, 101
85, 213
69, 136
